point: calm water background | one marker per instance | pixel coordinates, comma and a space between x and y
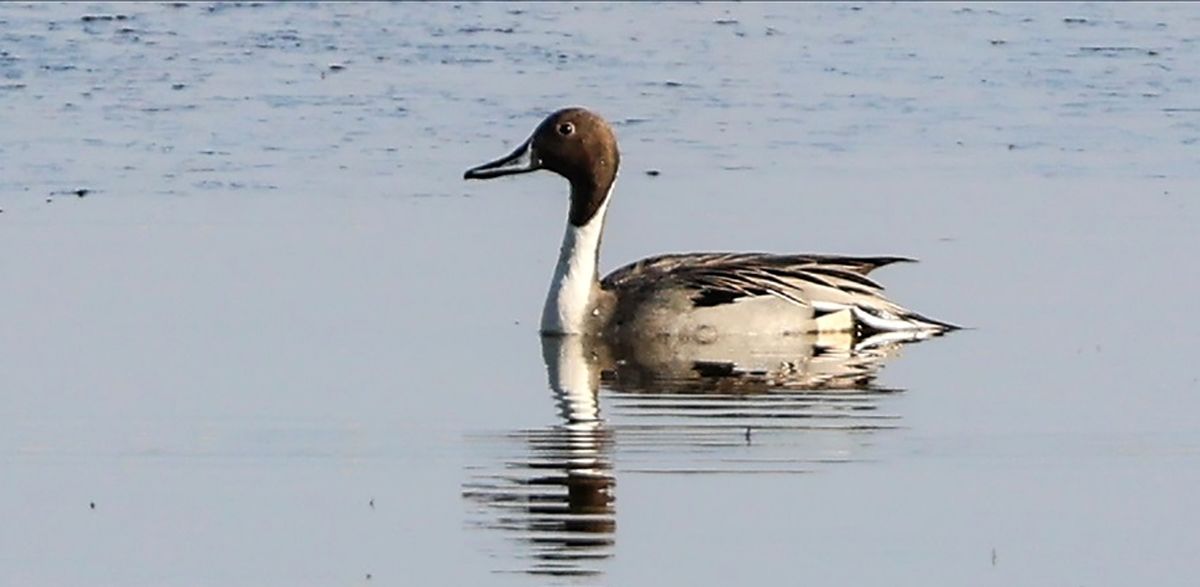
278, 336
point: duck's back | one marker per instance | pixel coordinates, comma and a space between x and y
706, 295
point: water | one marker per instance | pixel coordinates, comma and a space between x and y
258, 331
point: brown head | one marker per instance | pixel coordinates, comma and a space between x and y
574, 143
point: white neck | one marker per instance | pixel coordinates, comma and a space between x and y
575, 276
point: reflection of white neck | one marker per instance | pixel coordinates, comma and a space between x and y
574, 379
575, 276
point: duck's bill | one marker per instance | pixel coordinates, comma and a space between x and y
523, 160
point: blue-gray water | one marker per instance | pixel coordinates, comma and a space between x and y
278, 340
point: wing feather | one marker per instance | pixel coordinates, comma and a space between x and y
825, 282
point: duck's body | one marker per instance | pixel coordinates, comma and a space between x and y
693, 296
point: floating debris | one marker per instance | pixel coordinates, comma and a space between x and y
102, 17
77, 192
470, 30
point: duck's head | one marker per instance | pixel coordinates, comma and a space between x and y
574, 143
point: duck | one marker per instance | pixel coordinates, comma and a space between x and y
699, 297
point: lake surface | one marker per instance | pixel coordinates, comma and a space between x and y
258, 331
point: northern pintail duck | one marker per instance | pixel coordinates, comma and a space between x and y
697, 296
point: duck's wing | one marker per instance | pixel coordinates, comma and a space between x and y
827, 283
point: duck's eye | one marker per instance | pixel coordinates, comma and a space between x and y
565, 129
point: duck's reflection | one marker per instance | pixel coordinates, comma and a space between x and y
747, 364
559, 498
732, 406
